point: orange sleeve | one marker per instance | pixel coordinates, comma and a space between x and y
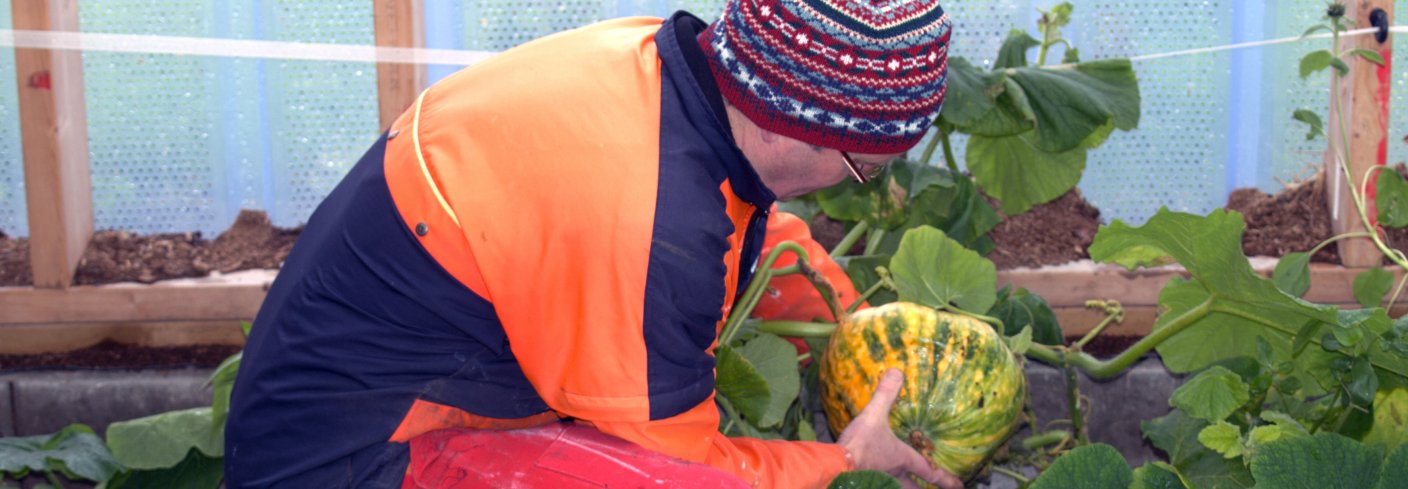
792, 297
761, 463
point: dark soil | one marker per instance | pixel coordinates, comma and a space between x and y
1049, 234
120, 256
108, 354
1295, 219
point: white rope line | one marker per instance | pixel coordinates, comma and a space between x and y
243, 48
239, 48
1229, 47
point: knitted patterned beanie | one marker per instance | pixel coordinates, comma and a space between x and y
865, 76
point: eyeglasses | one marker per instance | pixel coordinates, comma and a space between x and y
861, 177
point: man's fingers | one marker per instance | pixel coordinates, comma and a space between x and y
885, 394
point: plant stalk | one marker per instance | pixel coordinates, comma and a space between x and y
1073, 404
754, 292
1043, 439
730, 411
851, 238
933, 143
53, 479
797, 328
865, 296
1057, 356
1021, 479
1396, 291
873, 243
1110, 316
948, 152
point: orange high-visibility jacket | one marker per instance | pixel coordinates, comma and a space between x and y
557, 232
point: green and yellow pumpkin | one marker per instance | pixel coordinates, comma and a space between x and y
963, 388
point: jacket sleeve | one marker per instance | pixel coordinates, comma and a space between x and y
693, 435
792, 297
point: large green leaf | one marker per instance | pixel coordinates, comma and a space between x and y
1020, 175
1072, 103
1013, 114
970, 92
1156, 476
1371, 285
1389, 426
74, 450
1395, 474
1318, 461
934, 270
776, 360
162, 440
877, 201
1013, 52
1239, 304
1021, 309
1097, 466
957, 209
1292, 274
197, 471
864, 479
222, 382
1177, 435
1391, 198
1212, 395
737, 380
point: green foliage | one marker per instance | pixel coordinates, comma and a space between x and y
864, 479
1222, 437
1317, 127
1096, 466
936, 271
163, 440
1017, 173
74, 451
1315, 61
740, 383
196, 471
1157, 475
1022, 309
1371, 285
1292, 274
1212, 395
1322, 460
1391, 198
1177, 435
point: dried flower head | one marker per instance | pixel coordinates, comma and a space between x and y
1335, 10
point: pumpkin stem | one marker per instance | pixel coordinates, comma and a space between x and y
922, 443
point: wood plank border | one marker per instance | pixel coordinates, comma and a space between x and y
399, 24
208, 310
54, 134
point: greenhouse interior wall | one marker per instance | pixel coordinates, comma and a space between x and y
182, 143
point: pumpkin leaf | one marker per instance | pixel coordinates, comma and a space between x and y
776, 360
1228, 304
739, 381
1020, 175
1022, 309
1072, 103
1321, 460
75, 451
162, 440
1020, 342
957, 209
864, 479
196, 471
1266, 434
1177, 435
1094, 466
971, 92
1157, 475
1317, 128
1222, 437
1292, 274
1371, 285
1314, 61
1395, 469
222, 382
931, 269
1389, 427
1391, 198
1013, 53
1212, 395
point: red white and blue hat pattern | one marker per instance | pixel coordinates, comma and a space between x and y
864, 76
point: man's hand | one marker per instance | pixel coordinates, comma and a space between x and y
874, 446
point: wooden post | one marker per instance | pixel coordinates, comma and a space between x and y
1364, 101
399, 23
54, 133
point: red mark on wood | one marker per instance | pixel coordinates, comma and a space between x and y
40, 80
1384, 75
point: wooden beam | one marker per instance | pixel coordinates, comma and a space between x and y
54, 133
1364, 102
226, 298
400, 24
